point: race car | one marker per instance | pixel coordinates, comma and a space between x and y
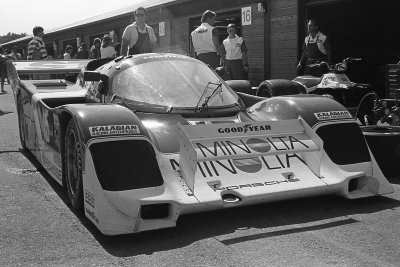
140, 140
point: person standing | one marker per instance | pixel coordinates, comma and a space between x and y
83, 52
204, 40
106, 49
138, 37
68, 52
234, 54
95, 49
3, 69
36, 47
316, 48
117, 48
14, 54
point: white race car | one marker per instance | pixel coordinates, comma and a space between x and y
139, 141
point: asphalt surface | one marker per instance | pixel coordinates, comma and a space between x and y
37, 227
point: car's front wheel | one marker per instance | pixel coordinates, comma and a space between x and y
73, 166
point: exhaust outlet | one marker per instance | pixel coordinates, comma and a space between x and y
230, 198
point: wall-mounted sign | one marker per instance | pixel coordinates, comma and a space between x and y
161, 28
246, 15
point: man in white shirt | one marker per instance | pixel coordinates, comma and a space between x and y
138, 37
234, 54
205, 42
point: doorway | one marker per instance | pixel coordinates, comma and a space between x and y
367, 29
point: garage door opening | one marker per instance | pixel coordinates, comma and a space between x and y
221, 23
367, 29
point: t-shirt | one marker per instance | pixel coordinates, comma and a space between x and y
234, 47
108, 51
202, 39
131, 34
36, 49
67, 55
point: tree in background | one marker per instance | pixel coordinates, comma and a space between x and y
10, 37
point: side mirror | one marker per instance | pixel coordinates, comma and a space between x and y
94, 76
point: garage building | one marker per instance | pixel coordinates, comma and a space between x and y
274, 31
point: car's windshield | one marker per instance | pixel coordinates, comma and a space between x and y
170, 81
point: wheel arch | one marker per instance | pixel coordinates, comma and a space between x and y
86, 117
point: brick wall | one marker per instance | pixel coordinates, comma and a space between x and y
283, 38
253, 34
254, 37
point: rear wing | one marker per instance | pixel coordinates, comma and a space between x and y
50, 66
246, 140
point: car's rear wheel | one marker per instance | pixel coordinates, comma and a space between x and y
21, 123
279, 87
73, 166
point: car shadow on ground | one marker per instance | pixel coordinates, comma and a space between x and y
297, 215
225, 225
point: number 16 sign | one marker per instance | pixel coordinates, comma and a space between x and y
246, 15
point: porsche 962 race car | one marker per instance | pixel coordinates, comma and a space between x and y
140, 140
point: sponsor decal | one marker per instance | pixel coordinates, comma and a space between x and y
92, 215
246, 128
217, 186
114, 129
200, 31
89, 198
333, 115
216, 168
164, 56
249, 146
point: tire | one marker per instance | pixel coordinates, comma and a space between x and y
264, 89
73, 166
279, 87
21, 124
243, 86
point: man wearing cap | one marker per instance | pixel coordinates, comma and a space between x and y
205, 42
234, 54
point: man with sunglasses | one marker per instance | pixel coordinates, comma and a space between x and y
138, 37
